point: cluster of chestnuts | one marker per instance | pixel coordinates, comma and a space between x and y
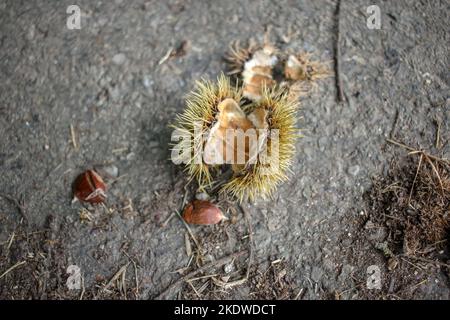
257, 103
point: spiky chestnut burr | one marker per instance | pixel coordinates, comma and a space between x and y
260, 180
216, 107
196, 122
255, 63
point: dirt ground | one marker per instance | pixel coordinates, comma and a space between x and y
105, 82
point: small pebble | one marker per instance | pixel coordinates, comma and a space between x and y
147, 82
202, 196
229, 267
119, 58
108, 171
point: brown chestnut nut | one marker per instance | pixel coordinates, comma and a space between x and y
89, 187
202, 212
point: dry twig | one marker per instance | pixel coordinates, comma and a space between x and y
415, 179
119, 274
443, 160
185, 278
438, 133
18, 264
73, 137
339, 85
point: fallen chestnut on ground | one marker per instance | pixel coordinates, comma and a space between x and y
202, 212
89, 187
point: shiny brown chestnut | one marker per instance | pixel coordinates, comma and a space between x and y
89, 187
202, 212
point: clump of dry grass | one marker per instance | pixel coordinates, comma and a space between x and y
274, 283
429, 221
413, 202
238, 55
405, 228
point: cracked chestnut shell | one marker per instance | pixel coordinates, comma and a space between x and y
89, 187
202, 212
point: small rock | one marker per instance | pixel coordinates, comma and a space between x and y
202, 196
229, 267
119, 59
107, 171
353, 170
131, 156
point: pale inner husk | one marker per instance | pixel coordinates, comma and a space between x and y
258, 73
230, 141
